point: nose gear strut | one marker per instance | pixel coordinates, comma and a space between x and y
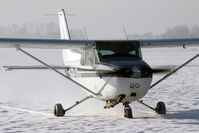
112, 103
127, 110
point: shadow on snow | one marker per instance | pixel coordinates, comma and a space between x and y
188, 114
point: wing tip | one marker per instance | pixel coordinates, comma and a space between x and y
6, 68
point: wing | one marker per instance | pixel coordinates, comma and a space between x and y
169, 43
45, 43
84, 44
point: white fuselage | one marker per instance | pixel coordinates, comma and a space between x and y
106, 88
109, 88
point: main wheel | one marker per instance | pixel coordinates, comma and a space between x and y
58, 110
160, 108
128, 112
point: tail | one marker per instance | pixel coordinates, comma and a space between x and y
64, 30
69, 56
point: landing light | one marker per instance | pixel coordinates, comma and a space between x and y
137, 85
132, 85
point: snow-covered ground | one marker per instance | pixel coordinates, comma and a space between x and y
27, 98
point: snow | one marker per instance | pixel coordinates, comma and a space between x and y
27, 98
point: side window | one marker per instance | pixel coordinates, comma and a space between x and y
82, 60
89, 58
140, 52
136, 52
97, 59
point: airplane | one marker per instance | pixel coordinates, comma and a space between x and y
109, 70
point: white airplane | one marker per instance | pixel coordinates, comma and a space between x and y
109, 70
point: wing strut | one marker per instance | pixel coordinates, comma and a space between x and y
174, 71
60, 73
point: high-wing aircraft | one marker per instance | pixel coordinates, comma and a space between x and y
109, 70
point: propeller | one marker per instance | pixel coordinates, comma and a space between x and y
162, 69
135, 72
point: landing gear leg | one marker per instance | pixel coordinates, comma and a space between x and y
160, 107
59, 110
127, 110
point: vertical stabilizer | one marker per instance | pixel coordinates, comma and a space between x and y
64, 30
70, 57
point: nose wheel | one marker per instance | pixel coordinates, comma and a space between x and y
127, 111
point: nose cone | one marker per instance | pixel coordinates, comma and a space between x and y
135, 71
132, 68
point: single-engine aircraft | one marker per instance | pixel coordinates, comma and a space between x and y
109, 70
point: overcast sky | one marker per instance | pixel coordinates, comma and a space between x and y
104, 18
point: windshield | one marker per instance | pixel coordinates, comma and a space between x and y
118, 49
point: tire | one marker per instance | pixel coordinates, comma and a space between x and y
128, 112
160, 108
58, 110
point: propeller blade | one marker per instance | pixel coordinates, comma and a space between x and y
122, 72
162, 69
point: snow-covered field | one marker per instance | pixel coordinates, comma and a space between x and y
27, 98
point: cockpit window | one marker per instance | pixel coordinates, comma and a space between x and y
106, 51
118, 49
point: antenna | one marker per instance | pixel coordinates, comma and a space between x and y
125, 33
85, 33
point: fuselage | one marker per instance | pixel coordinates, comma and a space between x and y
132, 76
109, 88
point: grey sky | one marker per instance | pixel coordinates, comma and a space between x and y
104, 18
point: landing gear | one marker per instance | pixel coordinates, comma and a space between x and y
58, 110
127, 111
112, 103
160, 108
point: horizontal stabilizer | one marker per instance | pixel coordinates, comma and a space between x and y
10, 68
